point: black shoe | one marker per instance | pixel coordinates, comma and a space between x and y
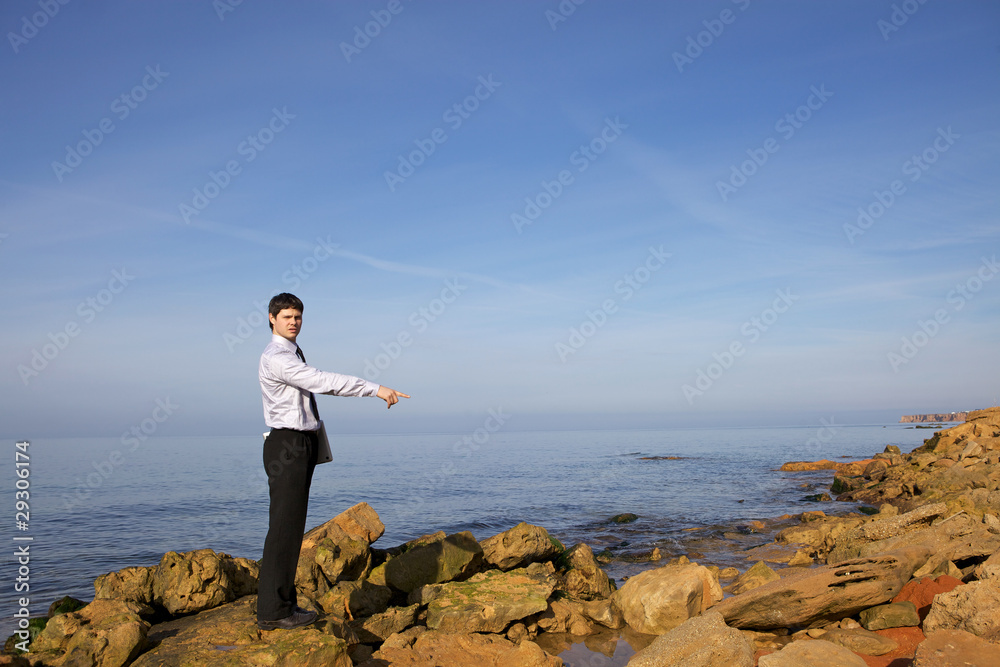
298, 618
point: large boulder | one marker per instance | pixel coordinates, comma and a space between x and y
974, 608
452, 558
440, 649
131, 584
338, 550
812, 653
105, 633
822, 594
582, 578
520, 546
703, 641
228, 636
490, 601
658, 600
184, 583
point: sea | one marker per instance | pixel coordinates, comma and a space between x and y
98, 505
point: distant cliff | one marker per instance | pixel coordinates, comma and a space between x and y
936, 417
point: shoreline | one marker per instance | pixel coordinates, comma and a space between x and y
768, 540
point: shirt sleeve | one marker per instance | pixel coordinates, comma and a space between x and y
291, 370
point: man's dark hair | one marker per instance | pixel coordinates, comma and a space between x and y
281, 301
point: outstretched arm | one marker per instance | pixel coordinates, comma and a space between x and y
390, 396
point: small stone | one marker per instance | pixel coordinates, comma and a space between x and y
892, 615
627, 517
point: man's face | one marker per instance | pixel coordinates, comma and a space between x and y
287, 323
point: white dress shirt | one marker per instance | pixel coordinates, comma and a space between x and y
286, 383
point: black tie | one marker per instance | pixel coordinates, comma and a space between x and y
312, 397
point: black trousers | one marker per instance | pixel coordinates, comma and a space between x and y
289, 459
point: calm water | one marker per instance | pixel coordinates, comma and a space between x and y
93, 511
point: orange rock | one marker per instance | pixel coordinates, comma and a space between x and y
795, 466
922, 592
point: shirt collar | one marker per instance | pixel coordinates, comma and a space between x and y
284, 342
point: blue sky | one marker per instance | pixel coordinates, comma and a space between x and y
628, 214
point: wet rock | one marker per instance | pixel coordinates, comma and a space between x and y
603, 612
892, 615
564, 616
440, 649
520, 546
703, 641
956, 648
627, 517
582, 578
659, 600
455, 557
974, 608
64, 605
812, 653
490, 601
105, 633
828, 593
818, 498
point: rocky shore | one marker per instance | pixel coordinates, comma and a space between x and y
914, 580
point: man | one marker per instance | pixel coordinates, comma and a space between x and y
287, 386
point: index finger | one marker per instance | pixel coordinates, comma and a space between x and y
399, 393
